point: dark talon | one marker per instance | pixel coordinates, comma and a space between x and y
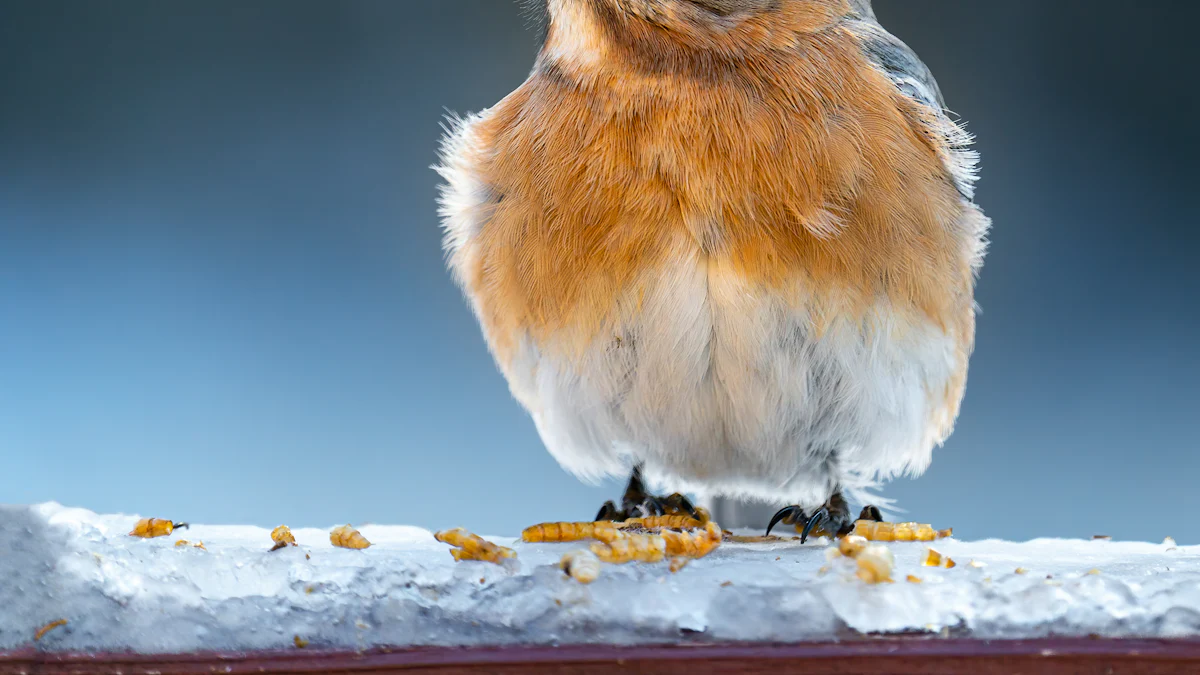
176, 526
609, 512
781, 514
636, 502
871, 512
677, 503
816, 519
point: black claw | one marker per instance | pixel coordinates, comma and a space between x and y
782, 514
637, 502
177, 526
816, 519
871, 512
609, 512
678, 503
689, 508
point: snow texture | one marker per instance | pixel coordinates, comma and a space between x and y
124, 593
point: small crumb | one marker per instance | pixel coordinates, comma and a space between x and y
1093, 571
41, 632
307, 556
282, 536
1020, 570
346, 536
678, 563
824, 570
300, 642
777, 557
558, 602
726, 583
875, 564
148, 528
581, 565
987, 580
308, 590
482, 580
913, 579
850, 547
935, 559
1101, 537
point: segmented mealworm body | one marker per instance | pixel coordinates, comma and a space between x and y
473, 547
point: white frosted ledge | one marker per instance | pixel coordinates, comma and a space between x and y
122, 593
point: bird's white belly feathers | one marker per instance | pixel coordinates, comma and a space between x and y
725, 389
719, 385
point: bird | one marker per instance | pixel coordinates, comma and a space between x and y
724, 247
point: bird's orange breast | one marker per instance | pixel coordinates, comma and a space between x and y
803, 169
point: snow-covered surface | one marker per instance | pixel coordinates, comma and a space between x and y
123, 593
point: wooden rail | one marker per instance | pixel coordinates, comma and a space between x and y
890, 656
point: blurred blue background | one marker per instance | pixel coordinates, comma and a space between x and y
223, 299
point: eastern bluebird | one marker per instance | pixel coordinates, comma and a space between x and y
728, 244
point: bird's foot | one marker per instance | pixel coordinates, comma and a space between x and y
832, 520
636, 503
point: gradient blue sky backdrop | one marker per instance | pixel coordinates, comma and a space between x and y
222, 294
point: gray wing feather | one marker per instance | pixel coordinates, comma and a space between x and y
912, 77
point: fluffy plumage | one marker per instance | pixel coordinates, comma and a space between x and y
730, 239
